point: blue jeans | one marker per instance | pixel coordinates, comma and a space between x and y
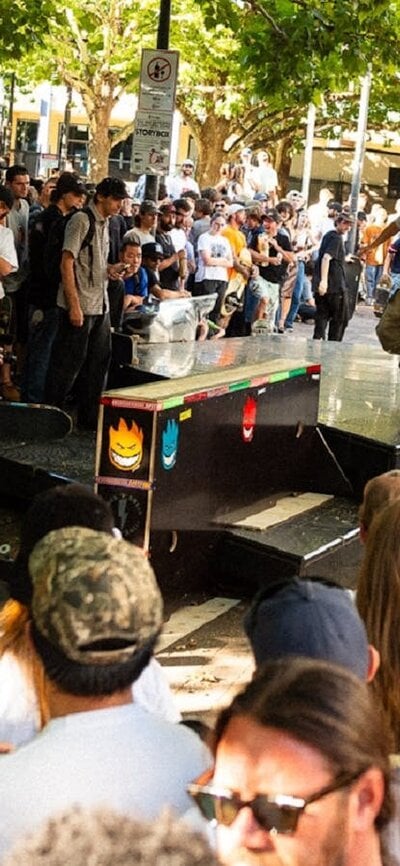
43, 325
373, 274
297, 293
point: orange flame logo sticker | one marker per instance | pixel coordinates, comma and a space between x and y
126, 446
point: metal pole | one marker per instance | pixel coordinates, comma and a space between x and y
359, 154
64, 137
153, 180
9, 127
164, 24
308, 152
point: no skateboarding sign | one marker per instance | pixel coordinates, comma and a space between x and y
153, 122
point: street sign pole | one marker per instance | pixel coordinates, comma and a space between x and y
359, 154
164, 19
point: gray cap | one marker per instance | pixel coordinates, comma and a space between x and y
235, 208
95, 597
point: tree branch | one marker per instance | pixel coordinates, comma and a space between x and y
259, 8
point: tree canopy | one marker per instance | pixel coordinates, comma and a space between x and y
23, 26
248, 68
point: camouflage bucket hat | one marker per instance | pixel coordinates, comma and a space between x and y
95, 597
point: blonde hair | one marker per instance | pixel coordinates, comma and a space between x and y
14, 639
378, 603
379, 492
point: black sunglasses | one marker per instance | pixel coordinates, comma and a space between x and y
277, 814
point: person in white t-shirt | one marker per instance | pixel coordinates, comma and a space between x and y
183, 182
214, 260
266, 177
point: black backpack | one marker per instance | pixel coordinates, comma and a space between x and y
55, 241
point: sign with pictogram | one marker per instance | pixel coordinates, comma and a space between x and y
158, 76
153, 122
159, 69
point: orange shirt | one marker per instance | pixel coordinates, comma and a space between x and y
237, 243
376, 256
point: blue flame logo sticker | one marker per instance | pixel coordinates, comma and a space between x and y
169, 445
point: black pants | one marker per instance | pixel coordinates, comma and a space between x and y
330, 309
116, 294
80, 360
218, 286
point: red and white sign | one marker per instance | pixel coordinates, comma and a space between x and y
151, 147
158, 77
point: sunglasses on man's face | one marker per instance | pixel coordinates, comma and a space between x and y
276, 814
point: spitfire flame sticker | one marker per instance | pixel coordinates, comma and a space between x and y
249, 419
126, 446
169, 444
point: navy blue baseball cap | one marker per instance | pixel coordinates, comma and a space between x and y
311, 619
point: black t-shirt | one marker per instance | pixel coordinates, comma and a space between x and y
332, 243
259, 242
42, 288
169, 277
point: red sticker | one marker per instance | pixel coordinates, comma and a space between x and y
249, 419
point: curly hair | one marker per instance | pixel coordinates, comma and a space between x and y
104, 838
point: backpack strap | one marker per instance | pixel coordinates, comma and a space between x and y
87, 241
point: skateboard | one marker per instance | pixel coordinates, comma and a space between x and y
381, 297
31, 422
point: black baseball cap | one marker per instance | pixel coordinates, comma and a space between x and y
335, 205
148, 207
152, 251
112, 186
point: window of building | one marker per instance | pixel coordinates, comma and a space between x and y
26, 135
120, 154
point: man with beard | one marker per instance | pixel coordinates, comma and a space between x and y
171, 267
184, 181
301, 776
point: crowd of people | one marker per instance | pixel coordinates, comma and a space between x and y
77, 260
302, 767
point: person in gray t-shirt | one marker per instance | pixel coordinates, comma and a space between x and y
82, 349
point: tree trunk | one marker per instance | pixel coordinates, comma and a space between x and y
210, 138
99, 144
283, 160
